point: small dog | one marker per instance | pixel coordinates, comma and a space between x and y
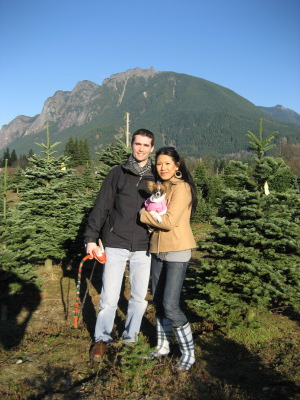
156, 204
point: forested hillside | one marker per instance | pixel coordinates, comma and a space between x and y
197, 116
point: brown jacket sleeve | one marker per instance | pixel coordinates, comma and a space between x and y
178, 202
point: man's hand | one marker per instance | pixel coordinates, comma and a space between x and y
90, 248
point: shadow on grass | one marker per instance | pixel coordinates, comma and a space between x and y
56, 381
17, 308
291, 314
233, 370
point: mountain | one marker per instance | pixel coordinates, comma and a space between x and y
281, 113
197, 116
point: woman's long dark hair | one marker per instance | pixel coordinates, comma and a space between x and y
186, 175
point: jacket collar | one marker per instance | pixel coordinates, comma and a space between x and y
175, 181
129, 167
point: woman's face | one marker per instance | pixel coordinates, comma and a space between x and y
166, 167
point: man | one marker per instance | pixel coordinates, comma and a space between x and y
115, 217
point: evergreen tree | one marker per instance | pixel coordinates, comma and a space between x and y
209, 190
201, 179
78, 152
13, 157
89, 178
260, 146
274, 174
48, 220
237, 175
6, 156
3, 191
44, 170
253, 257
30, 153
17, 179
113, 155
69, 150
84, 152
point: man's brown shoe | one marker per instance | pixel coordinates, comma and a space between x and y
97, 351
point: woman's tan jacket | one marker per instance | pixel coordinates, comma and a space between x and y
174, 233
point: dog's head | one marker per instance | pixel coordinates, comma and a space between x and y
157, 189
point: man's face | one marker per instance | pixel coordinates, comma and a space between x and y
141, 149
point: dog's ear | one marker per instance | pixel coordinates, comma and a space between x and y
150, 185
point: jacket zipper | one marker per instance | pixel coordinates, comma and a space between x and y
133, 232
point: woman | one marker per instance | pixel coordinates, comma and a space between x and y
171, 243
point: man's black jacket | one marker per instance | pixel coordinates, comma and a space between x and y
115, 216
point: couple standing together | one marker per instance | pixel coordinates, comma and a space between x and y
117, 218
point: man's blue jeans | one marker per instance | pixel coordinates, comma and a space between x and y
139, 272
167, 281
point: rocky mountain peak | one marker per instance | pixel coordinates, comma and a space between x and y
282, 113
124, 76
86, 86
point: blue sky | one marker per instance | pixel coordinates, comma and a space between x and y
249, 46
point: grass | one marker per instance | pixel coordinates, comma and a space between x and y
47, 358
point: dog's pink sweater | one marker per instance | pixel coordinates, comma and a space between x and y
155, 206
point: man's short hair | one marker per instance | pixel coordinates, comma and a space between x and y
143, 132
